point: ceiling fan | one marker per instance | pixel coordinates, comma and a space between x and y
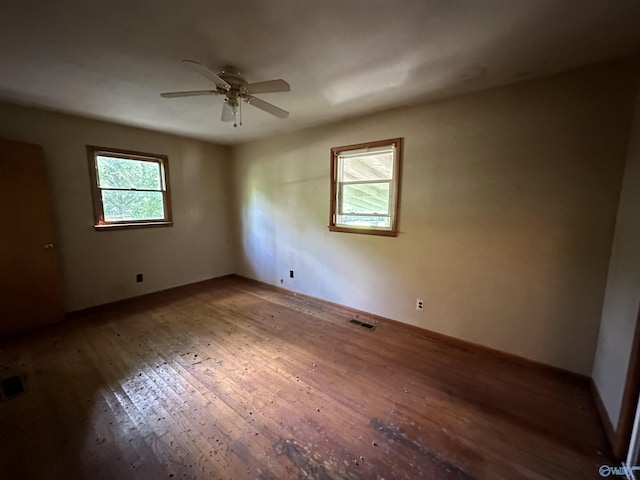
235, 89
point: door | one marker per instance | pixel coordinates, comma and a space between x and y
30, 294
633, 457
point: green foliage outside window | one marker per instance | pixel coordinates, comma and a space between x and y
130, 189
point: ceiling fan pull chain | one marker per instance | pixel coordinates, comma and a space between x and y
236, 112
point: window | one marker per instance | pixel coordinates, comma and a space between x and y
130, 189
365, 185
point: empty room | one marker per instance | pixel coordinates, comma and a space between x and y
328, 240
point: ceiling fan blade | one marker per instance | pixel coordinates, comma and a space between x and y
208, 73
227, 113
191, 93
266, 106
269, 86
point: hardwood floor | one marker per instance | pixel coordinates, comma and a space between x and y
229, 379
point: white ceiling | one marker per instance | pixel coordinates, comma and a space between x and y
111, 59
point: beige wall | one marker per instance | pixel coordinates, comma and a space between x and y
100, 267
507, 213
620, 311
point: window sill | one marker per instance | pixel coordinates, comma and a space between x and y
122, 226
364, 231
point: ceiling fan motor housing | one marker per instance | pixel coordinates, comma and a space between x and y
232, 76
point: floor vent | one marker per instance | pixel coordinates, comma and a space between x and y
368, 326
11, 387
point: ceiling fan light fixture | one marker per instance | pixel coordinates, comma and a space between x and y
236, 110
234, 88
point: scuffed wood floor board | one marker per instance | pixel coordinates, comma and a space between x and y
229, 379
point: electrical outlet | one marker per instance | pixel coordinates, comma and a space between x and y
419, 304
139, 278
290, 273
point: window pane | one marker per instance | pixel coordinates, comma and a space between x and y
355, 221
125, 173
121, 205
367, 198
367, 166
